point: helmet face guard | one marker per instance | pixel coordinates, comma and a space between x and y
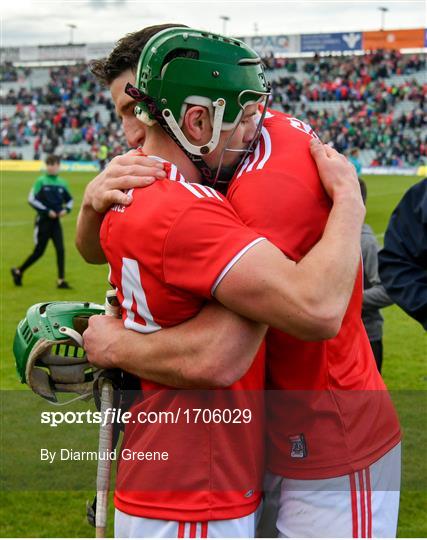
222, 184
182, 66
48, 349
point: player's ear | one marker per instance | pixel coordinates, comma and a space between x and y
196, 124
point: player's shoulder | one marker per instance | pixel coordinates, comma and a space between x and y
181, 189
288, 123
166, 201
194, 191
178, 193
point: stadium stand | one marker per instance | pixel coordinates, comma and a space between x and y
375, 102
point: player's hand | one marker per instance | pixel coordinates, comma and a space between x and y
62, 213
338, 175
100, 338
124, 172
52, 214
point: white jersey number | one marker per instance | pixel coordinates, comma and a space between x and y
134, 294
302, 126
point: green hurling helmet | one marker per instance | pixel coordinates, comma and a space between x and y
183, 66
48, 348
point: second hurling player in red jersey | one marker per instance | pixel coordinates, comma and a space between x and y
329, 413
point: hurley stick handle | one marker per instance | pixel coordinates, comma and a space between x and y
112, 309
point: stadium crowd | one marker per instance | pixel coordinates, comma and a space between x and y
376, 65
397, 141
62, 117
61, 114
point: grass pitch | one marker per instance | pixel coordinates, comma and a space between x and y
25, 512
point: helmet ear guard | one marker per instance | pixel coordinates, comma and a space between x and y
48, 349
219, 107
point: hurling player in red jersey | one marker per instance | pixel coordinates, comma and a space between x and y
333, 434
197, 249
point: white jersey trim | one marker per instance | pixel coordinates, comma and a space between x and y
251, 160
205, 190
192, 189
233, 262
267, 149
255, 159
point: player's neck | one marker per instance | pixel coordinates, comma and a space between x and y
160, 145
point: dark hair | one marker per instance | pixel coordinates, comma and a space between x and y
126, 53
363, 189
52, 160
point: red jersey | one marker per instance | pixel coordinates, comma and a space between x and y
329, 412
167, 252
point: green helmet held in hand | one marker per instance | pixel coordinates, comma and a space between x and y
48, 348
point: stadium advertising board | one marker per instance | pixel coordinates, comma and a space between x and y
394, 39
79, 166
397, 171
340, 41
265, 45
20, 165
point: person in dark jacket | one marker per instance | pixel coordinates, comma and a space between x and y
51, 198
403, 261
374, 294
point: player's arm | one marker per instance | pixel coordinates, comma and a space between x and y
123, 172
173, 356
307, 299
214, 349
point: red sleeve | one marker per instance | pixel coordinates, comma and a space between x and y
202, 244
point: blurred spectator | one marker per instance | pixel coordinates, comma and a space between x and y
102, 155
374, 294
403, 260
354, 159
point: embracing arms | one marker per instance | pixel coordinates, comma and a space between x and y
312, 299
214, 349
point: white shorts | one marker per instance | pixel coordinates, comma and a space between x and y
127, 526
364, 504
